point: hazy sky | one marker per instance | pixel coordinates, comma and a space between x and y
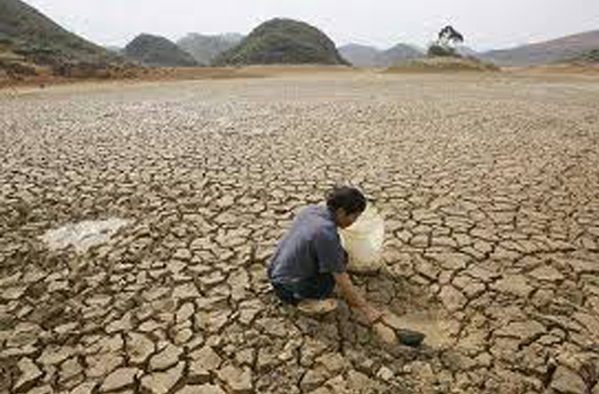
485, 23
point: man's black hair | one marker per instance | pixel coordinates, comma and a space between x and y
349, 198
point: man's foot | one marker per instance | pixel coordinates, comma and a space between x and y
317, 307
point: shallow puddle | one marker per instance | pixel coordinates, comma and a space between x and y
427, 322
431, 324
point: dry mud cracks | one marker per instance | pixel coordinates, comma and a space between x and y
488, 184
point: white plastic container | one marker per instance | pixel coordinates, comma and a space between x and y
363, 241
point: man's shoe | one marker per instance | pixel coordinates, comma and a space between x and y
317, 307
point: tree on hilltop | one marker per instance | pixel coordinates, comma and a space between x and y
446, 41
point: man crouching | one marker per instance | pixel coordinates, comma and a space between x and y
309, 261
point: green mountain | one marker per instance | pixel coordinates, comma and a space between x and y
283, 41
26, 32
156, 51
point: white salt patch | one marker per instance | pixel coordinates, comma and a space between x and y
83, 235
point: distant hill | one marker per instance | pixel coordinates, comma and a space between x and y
367, 56
545, 52
463, 50
157, 51
28, 33
360, 55
283, 41
399, 53
115, 49
204, 48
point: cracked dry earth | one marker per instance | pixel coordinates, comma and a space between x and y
488, 185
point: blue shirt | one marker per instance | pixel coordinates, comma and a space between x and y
311, 247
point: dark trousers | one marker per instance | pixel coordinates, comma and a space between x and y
318, 287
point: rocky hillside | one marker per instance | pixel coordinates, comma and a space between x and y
586, 59
367, 56
156, 51
29, 36
205, 48
545, 52
283, 41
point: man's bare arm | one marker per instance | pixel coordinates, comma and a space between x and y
354, 298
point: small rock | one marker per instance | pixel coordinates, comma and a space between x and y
197, 373
217, 320
53, 355
120, 379
163, 382
13, 293
206, 358
29, 373
358, 381
121, 325
522, 330
246, 316
385, 334
514, 284
321, 390
385, 374
187, 290
547, 273
246, 356
313, 379
139, 347
183, 336
102, 364
203, 389
185, 312
166, 358
238, 381
452, 299
41, 390
84, 388
567, 382
333, 362
182, 254
70, 369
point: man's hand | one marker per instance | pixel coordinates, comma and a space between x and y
355, 299
372, 314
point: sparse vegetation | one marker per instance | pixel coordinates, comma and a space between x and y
443, 64
436, 50
591, 56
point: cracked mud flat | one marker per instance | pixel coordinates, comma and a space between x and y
489, 188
